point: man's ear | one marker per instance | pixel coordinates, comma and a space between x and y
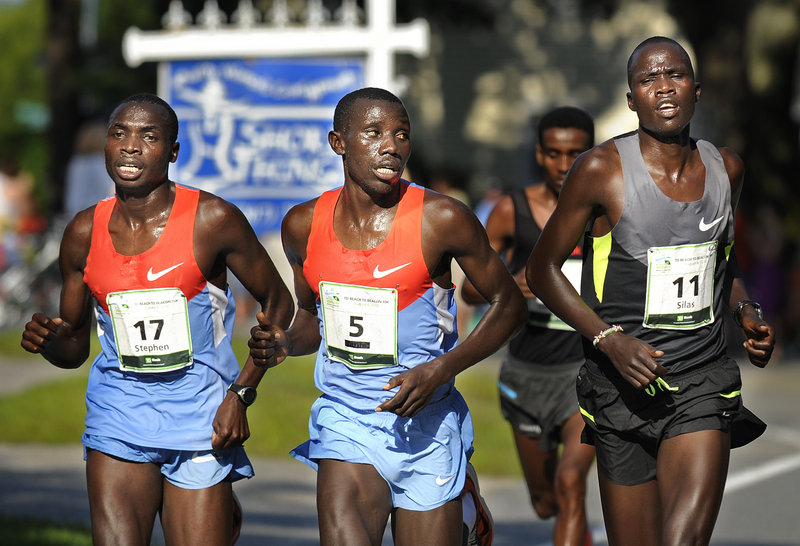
631, 106
174, 155
336, 142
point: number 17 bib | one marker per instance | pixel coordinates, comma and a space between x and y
151, 329
680, 286
360, 324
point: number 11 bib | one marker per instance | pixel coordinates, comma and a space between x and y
680, 286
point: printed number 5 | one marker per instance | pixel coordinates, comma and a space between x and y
357, 328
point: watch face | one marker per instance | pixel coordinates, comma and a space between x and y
248, 395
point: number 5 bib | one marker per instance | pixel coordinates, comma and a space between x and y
360, 324
151, 329
680, 286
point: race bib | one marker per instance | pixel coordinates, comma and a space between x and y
151, 329
680, 286
360, 325
539, 315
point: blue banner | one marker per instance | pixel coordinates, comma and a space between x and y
255, 132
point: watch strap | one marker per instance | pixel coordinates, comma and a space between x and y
737, 311
238, 391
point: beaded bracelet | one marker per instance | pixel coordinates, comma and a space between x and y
605, 333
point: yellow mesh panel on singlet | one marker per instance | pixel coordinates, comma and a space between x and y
728, 250
601, 248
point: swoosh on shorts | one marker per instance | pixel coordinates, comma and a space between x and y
378, 274
197, 458
442, 481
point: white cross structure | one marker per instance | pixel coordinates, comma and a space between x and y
378, 40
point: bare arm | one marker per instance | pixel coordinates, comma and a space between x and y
500, 231
270, 344
759, 335
489, 276
64, 340
225, 240
224, 230
451, 231
580, 199
593, 187
303, 337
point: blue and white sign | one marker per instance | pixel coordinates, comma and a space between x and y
255, 132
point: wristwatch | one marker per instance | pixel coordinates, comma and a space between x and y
737, 311
246, 394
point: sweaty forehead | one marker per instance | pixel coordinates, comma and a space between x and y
140, 112
370, 111
661, 56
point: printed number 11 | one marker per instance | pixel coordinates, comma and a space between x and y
694, 280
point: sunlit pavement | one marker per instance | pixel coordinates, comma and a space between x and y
760, 505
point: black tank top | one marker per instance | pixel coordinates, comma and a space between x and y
545, 339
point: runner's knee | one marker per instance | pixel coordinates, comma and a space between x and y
544, 505
684, 535
570, 483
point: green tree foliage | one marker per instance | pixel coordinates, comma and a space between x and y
23, 100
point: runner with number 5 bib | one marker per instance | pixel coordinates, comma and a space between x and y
391, 436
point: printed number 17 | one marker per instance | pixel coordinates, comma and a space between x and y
159, 325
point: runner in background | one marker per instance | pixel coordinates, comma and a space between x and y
537, 376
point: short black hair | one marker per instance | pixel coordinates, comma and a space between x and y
567, 117
150, 98
344, 108
656, 40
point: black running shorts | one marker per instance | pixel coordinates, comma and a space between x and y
627, 425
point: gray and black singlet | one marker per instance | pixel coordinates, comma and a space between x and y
661, 271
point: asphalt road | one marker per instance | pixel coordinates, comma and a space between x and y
761, 505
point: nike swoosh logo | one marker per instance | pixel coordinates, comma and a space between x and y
705, 227
197, 458
378, 274
155, 276
442, 481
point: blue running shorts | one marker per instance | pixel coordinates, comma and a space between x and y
422, 458
184, 469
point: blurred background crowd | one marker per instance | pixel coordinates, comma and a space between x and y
494, 67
